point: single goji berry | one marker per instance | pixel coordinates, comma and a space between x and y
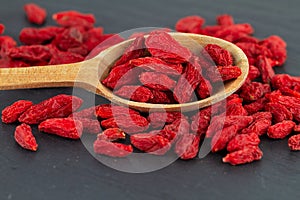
32, 53
90, 125
135, 50
162, 97
6, 43
259, 126
225, 20
266, 70
245, 155
69, 38
157, 81
74, 18
64, 127
89, 113
256, 106
111, 134
180, 126
254, 91
47, 108
253, 73
201, 120
280, 80
190, 24
204, 88
31, 36
129, 123
279, 112
62, 57
112, 149
35, 14
294, 142
159, 119
281, 129
219, 55
223, 73
262, 115
222, 137
11, 113
151, 143
241, 140
135, 93
157, 65
187, 146
25, 138
160, 44
106, 111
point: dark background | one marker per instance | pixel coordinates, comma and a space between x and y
63, 169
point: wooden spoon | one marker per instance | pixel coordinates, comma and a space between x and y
85, 74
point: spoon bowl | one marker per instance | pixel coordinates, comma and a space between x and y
86, 74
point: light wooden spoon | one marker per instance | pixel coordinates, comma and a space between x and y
86, 74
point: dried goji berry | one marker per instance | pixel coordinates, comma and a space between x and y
225, 20
135, 50
150, 142
90, 125
201, 120
224, 73
236, 109
222, 137
33, 53
106, 111
280, 80
180, 126
294, 142
266, 70
259, 126
64, 127
62, 57
25, 138
129, 123
89, 113
35, 14
241, 140
156, 81
159, 119
112, 149
281, 129
245, 155
11, 113
187, 146
160, 44
111, 134
190, 24
6, 43
297, 128
219, 55
2, 28
279, 112
135, 93
187, 83
157, 65
204, 88
30, 36
255, 106
162, 97
69, 38
289, 92
121, 75
253, 73
254, 91
74, 18
262, 115
47, 108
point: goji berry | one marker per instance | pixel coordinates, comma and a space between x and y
129, 123
225, 20
204, 89
297, 128
64, 127
62, 57
255, 106
135, 93
6, 43
219, 55
35, 14
236, 109
180, 126
111, 134
266, 70
159, 119
151, 143
2, 28
222, 137
135, 50
294, 142
112, 149
201, 120
47, 108
241, 140
25, 138
90, 125
157, 65
289, 92
280, 80
156, 81
187, 146
279, 112
162, 97
262, 115
243, 156
11, 113
74, 18
224, 73
31, 36
106, 111
121, 75
259, 126
254, 91
160, 44
89, 113
69, 38
281, 129
190, 24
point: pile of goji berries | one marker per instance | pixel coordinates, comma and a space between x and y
266, 105
157, 69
